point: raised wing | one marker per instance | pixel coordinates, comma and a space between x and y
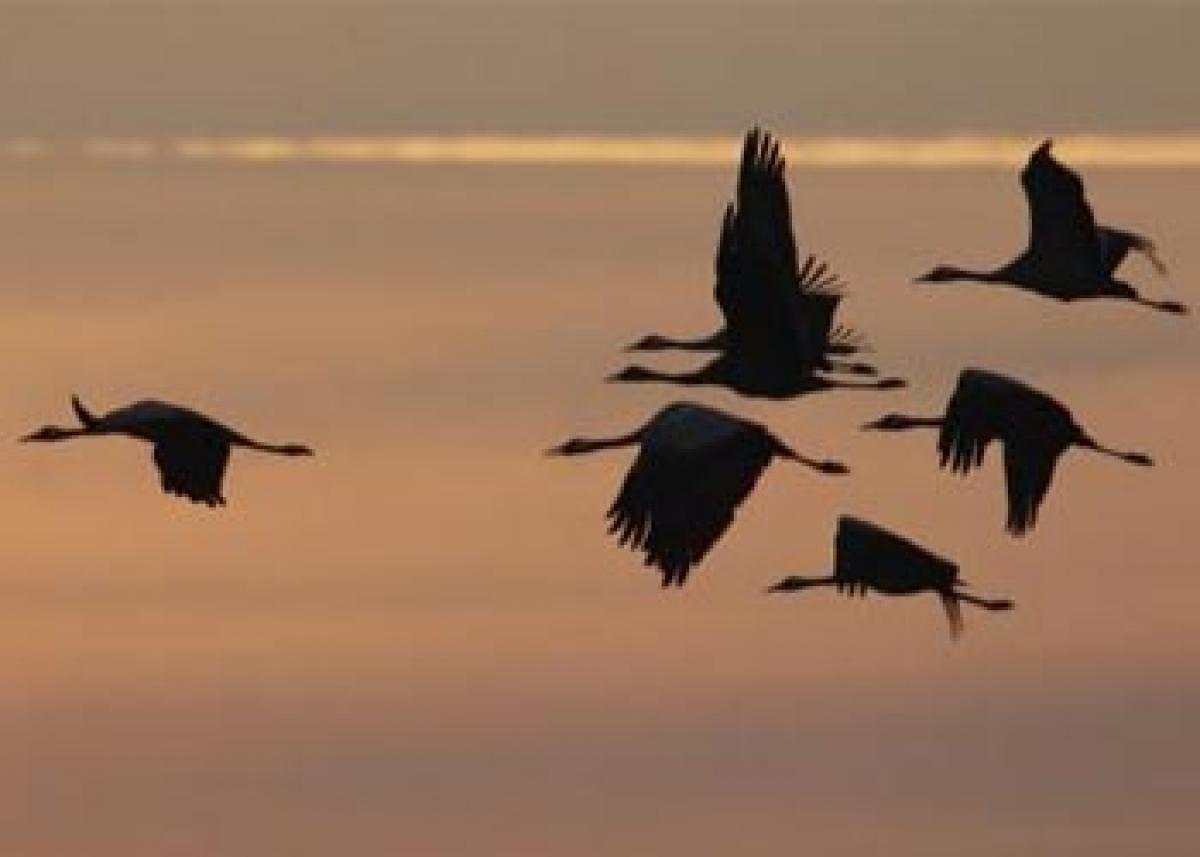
1115, 245
674, 506
1062, 228
192, 463
774, 307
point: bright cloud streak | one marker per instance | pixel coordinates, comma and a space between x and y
1147, 151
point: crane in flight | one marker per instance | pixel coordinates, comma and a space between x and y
869, 558
1034, 429
695, 466
190, 449
1069, 257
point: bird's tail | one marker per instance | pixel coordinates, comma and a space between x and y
86, 418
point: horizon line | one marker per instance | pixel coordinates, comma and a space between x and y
948, 151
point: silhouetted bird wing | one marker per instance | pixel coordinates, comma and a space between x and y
1063, 243
1028, 470
678, 500
774, 307
191, 461
973, 419
888, 561
1034, 428
1115, 245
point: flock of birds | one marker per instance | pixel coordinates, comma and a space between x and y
696, 464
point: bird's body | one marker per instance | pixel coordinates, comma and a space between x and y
869, 558
779, 311
1034, 429
1069, 257
191, 450
695, 466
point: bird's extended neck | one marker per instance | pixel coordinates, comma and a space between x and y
709, 374
657, 342
795, 583
881, 384
585, 445
955, 274
903, 422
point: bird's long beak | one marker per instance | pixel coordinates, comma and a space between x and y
873, 425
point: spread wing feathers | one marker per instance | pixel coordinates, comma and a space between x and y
969, 425
764, 211
192, 463
1028, 471
772, 304
675, 506
1062, 228
1115, 245
866, 551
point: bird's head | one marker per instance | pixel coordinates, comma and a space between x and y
1043, 150
1138, 458
889, 422
940, 274
651, 342
295, 449
51, 433
793, 584
632, 373
574, 446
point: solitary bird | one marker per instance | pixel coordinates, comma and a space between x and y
1069, 257
1033, 428
868, 557
779, 313
190, 449
694, 467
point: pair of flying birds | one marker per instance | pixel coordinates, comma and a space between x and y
696, 464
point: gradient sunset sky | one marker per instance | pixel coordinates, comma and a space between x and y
421, 641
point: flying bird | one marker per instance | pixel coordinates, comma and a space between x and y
1068, 257
1034, 429
190, 449
805, 295
779, 313
695, 466
868, 557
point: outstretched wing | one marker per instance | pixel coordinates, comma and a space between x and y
675, 505
774, 306
973, 419
1028, 471
1062, 228
756, 259
1115, 245
191, 463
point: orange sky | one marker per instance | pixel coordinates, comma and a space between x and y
421, 641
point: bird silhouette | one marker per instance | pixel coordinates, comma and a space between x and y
695, 466
190, 449
868, 557
1068, 257
805, 295
1033, 428
779, 314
